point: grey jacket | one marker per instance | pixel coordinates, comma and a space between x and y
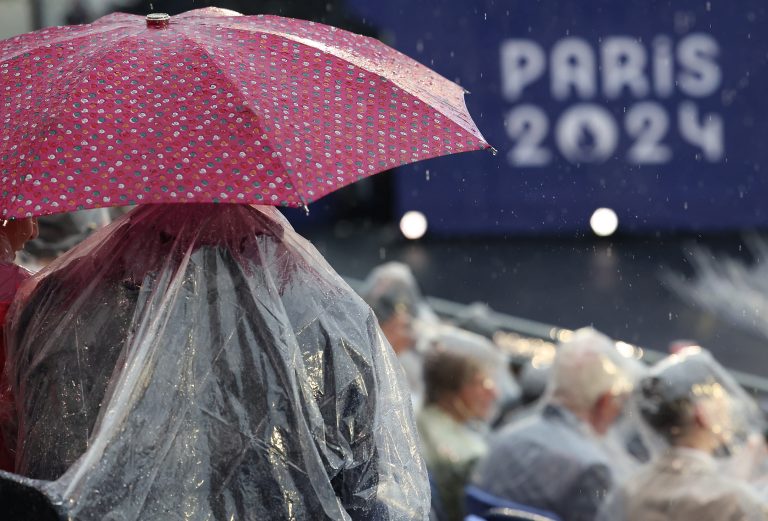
549, 461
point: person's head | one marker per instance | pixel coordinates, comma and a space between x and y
685, 400
589, 378
395, 316
458, 384
17, 232
392, 280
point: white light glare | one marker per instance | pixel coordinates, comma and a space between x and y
604, 222
413, 225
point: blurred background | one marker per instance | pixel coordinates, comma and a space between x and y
627, 192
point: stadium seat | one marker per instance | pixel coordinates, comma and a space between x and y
486, 506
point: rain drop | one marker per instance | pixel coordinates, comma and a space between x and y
426, 174
382, 253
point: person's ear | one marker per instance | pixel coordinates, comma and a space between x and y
700, 418
602, 412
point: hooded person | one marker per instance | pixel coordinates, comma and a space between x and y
205, 362
553, 461
404, 316
691, 402
395, 281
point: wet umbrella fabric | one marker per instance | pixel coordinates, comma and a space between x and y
204, 362
211, 107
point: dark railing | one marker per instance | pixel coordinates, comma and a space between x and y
523, 327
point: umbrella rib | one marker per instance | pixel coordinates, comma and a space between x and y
250, 105
462, 120
66, 36
415, 89
88, 62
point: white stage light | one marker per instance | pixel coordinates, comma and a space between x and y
604, 222
413, 225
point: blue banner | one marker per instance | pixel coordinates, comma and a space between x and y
654, 109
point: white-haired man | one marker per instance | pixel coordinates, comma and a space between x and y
553, 461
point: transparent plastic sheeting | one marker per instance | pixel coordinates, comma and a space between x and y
203, 362
686, 484
693, 376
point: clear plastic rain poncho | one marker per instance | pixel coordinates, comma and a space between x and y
693, 376
697, 406
395, 280
203, 362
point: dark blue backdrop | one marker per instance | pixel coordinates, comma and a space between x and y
690, 133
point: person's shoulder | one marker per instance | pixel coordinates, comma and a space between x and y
738, 497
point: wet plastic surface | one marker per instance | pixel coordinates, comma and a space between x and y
204, 362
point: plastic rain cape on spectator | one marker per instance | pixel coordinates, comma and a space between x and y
685, 484
203, 362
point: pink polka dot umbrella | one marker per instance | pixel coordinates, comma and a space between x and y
211, 106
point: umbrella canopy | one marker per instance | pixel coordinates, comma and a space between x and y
211, 106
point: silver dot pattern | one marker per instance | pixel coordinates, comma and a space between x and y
215, 107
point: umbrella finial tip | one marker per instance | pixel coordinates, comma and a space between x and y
493, 150
306, 208
158, 19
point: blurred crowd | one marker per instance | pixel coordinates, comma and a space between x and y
573, 428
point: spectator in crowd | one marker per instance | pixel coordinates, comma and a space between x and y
391, 291
486, 353
459, 391
687, 400
404, 317
395, 281
553, 461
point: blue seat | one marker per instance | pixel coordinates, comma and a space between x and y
516, 514
488, 507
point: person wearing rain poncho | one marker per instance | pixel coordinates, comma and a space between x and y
413, 329
553, 461
689, 400
459, 391
204, 362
